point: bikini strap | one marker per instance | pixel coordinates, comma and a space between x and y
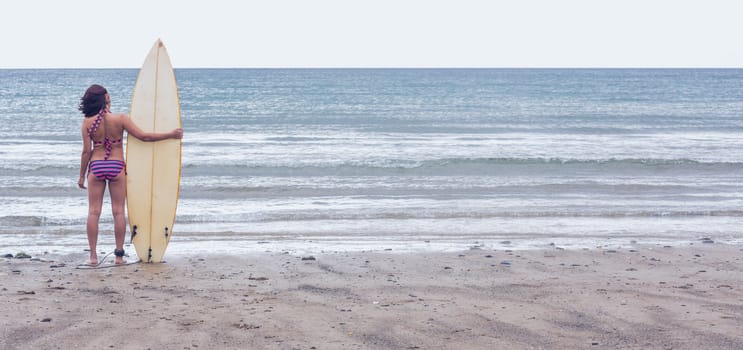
107, 142
94, 127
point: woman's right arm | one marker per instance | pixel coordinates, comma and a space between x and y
135, 131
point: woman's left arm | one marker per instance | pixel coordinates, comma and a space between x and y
84, 157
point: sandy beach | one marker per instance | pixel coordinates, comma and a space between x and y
647, 297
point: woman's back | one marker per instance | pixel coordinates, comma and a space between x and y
106, 131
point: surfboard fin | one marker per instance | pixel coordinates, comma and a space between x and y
134, 233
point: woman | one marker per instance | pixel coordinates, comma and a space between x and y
103, 161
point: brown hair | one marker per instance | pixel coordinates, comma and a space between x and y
93, 101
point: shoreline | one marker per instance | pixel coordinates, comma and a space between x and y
644, 297
39, 244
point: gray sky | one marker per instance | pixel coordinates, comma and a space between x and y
378, 33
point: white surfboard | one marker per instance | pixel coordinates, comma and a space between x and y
153, 168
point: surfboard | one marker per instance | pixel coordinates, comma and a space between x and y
153, 168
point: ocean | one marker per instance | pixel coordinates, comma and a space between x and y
319, 160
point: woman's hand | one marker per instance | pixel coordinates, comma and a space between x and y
177, 133
81, 183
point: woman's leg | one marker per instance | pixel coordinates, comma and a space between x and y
96, 188
117, 188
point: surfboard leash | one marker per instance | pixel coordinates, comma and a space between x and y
101, 261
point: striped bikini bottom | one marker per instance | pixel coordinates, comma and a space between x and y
106, 169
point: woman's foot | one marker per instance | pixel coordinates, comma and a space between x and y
119, 253
93, 261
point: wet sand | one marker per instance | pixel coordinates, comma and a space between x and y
648, 297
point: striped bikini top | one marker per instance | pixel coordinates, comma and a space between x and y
107, 142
